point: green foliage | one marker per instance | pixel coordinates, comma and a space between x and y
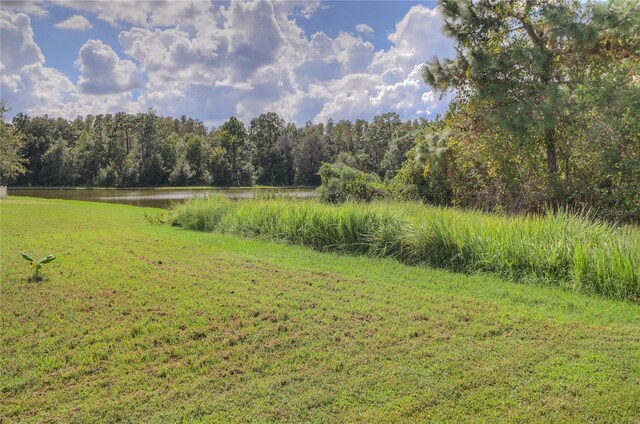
426, 173
147, 149
37, 265
376, 141
402, 140
603, 144
230, 157
309, 153
414, 184
341, 183
158, 218
490, 168
527, 61
558, 248
270, 157
544, 93
11, 144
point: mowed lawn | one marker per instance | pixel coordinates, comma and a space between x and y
148, 323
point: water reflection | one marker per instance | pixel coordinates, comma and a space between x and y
155, 198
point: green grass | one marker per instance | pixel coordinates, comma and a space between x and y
559, 249
142, 323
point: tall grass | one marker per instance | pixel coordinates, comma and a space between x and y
563, 249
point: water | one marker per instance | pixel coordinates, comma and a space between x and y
152, 197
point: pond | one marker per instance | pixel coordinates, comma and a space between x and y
153, 197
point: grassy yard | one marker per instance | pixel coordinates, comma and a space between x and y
139, 323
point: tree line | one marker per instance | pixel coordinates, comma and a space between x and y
145, 149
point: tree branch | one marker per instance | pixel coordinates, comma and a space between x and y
531, 31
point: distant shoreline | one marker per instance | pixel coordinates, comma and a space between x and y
294, 187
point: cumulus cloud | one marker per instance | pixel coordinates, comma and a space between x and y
259, 54
169, 13
75, 22
364, 29
249, 45
213, 60
142, 13
248, 36
32, 87
18, 47
392, 81
25, 81
29, 7
103, 72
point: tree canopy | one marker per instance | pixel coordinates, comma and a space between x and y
11, 143
527, 59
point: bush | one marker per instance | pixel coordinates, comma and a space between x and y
411, 183
341, 183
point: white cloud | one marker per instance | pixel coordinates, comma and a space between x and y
309, 8
250, 45
212, 60
103, 72
18, 47
25, 82
29, 7
169, 13
304, 78
353, 54
31, 87
146, 13
364, 29
75, 22
246, 37
393, 79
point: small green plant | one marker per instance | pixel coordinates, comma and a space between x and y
37, 265
159, 218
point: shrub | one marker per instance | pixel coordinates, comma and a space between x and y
341, 183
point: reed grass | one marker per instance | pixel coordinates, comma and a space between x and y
564, 249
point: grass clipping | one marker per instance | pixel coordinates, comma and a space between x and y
562, 249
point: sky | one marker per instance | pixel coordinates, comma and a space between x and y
210, 60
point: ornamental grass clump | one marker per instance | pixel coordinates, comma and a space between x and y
559, 248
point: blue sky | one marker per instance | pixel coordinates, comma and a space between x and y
306, 60
60, 46
336, 16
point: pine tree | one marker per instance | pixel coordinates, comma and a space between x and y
526, 57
